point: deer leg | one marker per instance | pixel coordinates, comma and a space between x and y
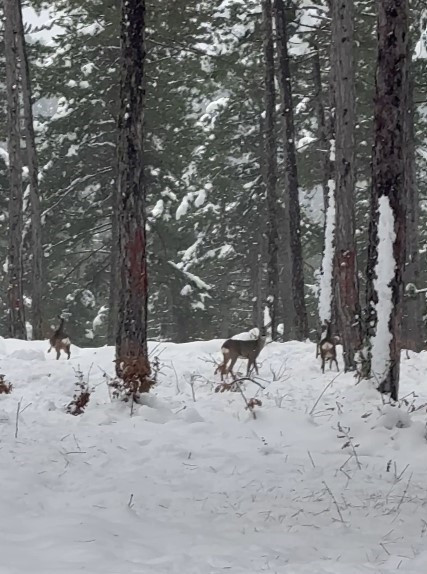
336, 362
223, 369
256, 367
58, 353
323, 364
68, 351
230, 368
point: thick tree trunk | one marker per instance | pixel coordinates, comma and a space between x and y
323, 129
114, 269
36, 225
131, 345
285, 278
348, 304
388, 185
256, 275
412, 318
15, 290
297, 270
270, 168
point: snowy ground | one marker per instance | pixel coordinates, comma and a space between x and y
202, 488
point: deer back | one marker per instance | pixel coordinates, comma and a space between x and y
243, 348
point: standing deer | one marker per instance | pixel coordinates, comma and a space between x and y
60, 341
234, 349
327, 348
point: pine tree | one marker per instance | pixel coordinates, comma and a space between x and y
298, 287
131, 347
348, 305
270, 167
15, 293
388, 213
30, 144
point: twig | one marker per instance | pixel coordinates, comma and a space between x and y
335, 502
404, 492
248, 406
130, 503
192, 389
322, 393
311, 459
19, 412
178, 390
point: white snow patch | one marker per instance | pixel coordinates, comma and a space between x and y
326, 277
158, 209
201, 486
183, 208
384, 272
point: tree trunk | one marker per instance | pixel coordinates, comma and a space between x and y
256, 276
270, 168
348, 304
323, 129
15, 290
33, 169
412, 318
388, 192
291, 172
325, 132
131, 344
114, 268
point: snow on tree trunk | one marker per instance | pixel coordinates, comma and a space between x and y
348, 305
36, 225
291, 173
384, 274
270, 168
387, 250
15, 294
326, 278
131, 345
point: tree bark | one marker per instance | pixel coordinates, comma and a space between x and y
36, 225
270, 168
348, 304
15, 294
412, 317
291, 172
114, 268
388, 176
323, 129
131, 344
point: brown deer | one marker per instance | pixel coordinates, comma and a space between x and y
327, 347
60, 341
234, 349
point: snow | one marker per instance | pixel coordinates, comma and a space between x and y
325, 298
158, 209
384, 272
183, 208
199, 283
202, 486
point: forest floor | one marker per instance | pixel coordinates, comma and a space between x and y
336, 484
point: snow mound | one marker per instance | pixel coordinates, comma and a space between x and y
27, 355
325, 479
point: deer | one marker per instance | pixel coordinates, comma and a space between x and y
60, 341
233, 349
327, 347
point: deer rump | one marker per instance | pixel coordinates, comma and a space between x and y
60, 341
234, 349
